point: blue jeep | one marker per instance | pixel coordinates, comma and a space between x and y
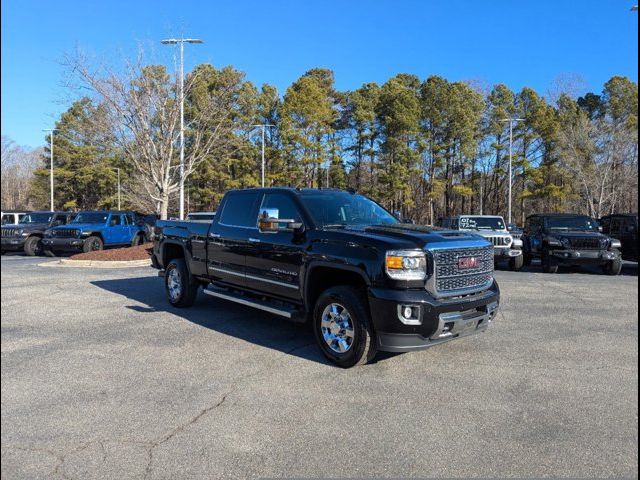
91, 231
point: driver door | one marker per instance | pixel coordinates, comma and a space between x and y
274, 259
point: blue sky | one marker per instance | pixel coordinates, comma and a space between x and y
516, 42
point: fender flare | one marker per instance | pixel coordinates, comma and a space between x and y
333, 266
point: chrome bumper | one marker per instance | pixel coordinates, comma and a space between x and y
459, 324
505, 252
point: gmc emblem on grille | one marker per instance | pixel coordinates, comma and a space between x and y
465, 263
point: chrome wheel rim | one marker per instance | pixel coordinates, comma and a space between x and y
337, 328
174, 284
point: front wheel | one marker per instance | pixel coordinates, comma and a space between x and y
180, 287
92, 244
613, 268
549, 265
33, 246
516, 263
342, 327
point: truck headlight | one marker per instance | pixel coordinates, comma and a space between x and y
517, 243
615, 243
406, 264
48, 234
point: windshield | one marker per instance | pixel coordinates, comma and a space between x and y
90, 217
343, 208
571, 223
37, 218
482, 223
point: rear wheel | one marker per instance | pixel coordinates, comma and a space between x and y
516, 263
342, 327
33, 246
137, 240
180, 287
549, 265
92, 244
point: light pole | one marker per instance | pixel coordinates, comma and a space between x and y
263, 126
50, 130
181, 42
118, 170
511, 122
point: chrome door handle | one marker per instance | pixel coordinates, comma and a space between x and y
254, 240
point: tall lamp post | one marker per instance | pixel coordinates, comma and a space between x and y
511, 122
263, 126
50, 130
181, 42
118, 170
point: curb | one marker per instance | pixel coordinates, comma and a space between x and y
67, 262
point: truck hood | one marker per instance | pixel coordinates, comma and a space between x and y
80, 226
489, 233
418, 235
29, 227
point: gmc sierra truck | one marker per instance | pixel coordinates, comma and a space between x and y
338, 260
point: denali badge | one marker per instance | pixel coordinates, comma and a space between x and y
466, 263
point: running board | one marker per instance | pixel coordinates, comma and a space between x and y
280, 310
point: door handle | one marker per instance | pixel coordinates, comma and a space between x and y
254, 240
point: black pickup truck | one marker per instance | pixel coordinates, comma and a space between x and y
338, 260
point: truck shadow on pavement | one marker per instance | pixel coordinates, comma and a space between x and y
250, 325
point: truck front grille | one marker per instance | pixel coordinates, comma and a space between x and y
452, 274
501, 241
66, 233
9, 232
586, 243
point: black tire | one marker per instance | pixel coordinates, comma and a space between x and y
49, 253
187, 288
363, 346
33, 246
613, 268
137, 240
92, 244
516, 263
548, 263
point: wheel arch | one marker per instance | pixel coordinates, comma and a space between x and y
320, 276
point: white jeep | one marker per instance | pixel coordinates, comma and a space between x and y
494, 229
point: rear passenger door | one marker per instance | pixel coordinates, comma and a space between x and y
229, 237
274, 259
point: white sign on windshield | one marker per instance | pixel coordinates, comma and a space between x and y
466, 222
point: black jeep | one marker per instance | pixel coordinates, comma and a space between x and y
569, 239
27, 235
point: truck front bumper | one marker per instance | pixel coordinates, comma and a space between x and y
13, 243
62, 244
506, 252
436, 320
583, 257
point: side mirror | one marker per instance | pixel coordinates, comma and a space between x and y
268, 222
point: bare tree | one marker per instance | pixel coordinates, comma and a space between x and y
144, 115
18, 164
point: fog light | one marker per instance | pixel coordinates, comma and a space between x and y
409, 314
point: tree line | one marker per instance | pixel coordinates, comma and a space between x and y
427, 148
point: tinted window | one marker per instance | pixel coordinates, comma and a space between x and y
61, 219
606, 224
90, 217
239, 210
115, 220
6, 219
341, 208
284, 204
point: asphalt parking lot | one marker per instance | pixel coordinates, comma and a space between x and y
102, 379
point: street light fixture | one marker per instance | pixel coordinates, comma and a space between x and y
511, 122
264, 127
181, 42
50, 130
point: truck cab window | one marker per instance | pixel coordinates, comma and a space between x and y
285, 206
239, 210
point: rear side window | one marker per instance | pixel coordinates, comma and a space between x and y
115, 220
239, 210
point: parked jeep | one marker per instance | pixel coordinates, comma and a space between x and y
27, 235
337, 259
569, 239
624, 227
90, 231
491, 227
